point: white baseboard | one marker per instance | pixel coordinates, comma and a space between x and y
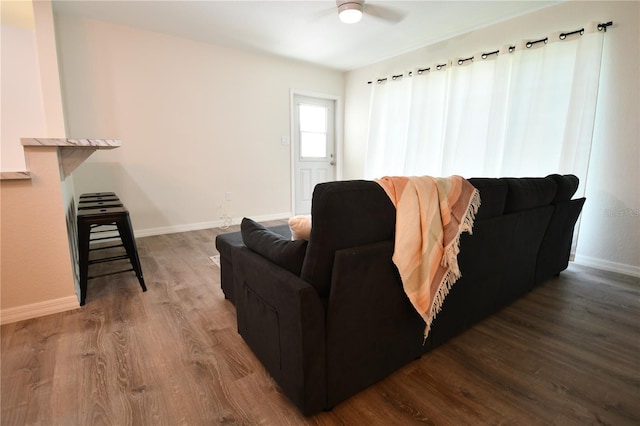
139, 233
39, 309
606, 265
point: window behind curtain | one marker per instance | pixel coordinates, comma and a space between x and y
526, 113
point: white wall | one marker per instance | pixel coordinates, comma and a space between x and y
21, 95
196, 121
610, 231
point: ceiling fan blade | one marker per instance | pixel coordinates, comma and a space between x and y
322, 14
384, 13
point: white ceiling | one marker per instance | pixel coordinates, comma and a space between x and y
306, 30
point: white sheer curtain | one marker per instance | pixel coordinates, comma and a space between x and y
529, 112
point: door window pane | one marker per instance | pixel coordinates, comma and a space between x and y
313, 131
313, 144
313, 118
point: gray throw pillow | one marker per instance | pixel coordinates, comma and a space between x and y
274, 247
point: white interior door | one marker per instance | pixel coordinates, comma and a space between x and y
313, 147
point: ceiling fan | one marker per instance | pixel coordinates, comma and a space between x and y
351, 11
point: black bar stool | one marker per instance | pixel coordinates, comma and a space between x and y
97, 200
115, 219
106, 198
88, 205
98, 195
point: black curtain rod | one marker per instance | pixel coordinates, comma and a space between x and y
532, 43
601, 27
486, 55
604, 26
565, 35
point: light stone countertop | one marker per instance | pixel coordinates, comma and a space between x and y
72, 143
71, 153
21, 175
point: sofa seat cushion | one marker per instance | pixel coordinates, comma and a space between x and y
280, 250
224, 242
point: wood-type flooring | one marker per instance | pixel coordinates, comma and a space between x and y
568, 353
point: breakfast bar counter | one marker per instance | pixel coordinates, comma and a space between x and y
39, 246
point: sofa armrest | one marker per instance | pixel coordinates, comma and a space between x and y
372, 328
282, 319
555, 250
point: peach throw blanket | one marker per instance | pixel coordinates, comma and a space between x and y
431, 213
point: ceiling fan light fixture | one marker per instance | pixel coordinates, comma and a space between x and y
350, 12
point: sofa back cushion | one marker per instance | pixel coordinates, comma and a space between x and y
344, 214
529, 193
493, 196
567, 186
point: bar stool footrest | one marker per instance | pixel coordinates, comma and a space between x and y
108, 259
106, 247
112, 273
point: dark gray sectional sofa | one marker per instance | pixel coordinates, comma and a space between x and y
329, 317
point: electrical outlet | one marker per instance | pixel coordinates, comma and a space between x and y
228, 196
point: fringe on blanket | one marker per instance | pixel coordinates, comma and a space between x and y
450, 261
